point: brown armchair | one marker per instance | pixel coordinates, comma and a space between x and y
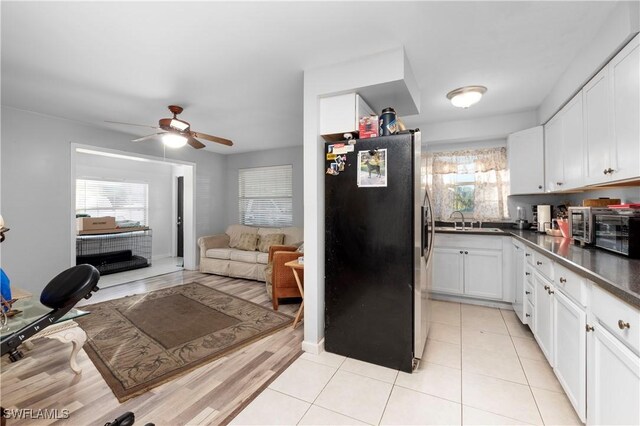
283, 283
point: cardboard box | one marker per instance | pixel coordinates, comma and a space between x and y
94, 223
369, 127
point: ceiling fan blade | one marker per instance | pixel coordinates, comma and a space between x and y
195, 143
144, 138
217, 139
131, 124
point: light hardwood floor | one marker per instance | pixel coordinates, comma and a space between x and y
206, 395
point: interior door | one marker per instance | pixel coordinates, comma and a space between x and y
179, 220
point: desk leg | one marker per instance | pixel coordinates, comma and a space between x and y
301, 310
77, 337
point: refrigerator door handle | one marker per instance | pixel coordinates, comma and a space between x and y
432, 230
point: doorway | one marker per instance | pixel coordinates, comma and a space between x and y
180, 215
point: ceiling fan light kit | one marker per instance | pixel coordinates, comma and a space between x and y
177, 133
464, 97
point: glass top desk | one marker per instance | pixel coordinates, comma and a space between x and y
65, 329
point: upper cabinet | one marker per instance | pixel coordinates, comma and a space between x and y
526, 161
624, 83
595, 138
341, 114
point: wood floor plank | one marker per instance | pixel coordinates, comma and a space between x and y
206, 395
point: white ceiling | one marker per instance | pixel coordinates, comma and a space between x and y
237, 68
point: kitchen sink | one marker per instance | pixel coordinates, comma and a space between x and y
452, 229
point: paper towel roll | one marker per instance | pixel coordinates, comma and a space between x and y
544, 217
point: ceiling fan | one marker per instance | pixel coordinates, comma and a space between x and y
176, 132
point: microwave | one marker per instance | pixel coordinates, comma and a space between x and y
581, 224
619, 233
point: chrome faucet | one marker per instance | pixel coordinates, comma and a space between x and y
455, 222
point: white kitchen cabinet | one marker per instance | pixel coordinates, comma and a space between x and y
573, 144
483, 273
570, 349
553, 164
597, 127
624, 80
613, 379
543, 315
341, 114
525, 150
448, 270
518, 272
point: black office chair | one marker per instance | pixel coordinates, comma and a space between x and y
61, 294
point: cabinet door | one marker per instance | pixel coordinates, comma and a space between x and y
543, 316
570, 350
483, 273
597, 134
526, 161
624, 70
518, 279
554, 167
573, 144
613, 380
448, 270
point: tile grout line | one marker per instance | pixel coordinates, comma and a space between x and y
461, 372
535, 401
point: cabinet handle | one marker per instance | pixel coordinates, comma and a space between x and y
550, 291
610, 170
461, 252
527, 292
605, 171
622, 325
466, 252
539, 186
538, 263
527, 254
527, 273
562, 280
559, 183
546, 287
527, 315
589, 328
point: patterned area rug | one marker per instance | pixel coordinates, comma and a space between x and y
139, 342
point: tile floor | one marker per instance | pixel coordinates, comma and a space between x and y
160, 266
481, 366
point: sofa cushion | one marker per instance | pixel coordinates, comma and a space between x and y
235, 232
293, 235
263, 258
247, 242
219, 253
244, 256
269, 231
269, 240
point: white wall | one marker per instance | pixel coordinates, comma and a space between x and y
620, 27
272, 157
36, 190
161, 194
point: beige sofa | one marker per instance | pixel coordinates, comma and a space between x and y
217, 257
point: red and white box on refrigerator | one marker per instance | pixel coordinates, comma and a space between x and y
369, 127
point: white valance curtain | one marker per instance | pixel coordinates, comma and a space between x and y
475, 181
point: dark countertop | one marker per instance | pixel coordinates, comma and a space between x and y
617, 274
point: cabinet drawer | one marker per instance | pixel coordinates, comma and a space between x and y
528, 293
528, 273
544, 265
528, 254
528, 315
571, 284
614, 314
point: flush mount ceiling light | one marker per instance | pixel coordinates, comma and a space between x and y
464, 97
173, 140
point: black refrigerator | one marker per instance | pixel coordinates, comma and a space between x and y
378, 234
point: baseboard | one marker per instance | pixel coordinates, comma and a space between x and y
313, 348
472, 301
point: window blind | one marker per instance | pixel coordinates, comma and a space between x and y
123, 200
265, 196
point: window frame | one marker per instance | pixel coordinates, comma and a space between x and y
146, 209
261, 218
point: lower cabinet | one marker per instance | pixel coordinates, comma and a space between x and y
543, 315
613, 380
483, 273
570, 350
448, 270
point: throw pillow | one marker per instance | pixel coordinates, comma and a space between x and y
269, 240
247, 242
